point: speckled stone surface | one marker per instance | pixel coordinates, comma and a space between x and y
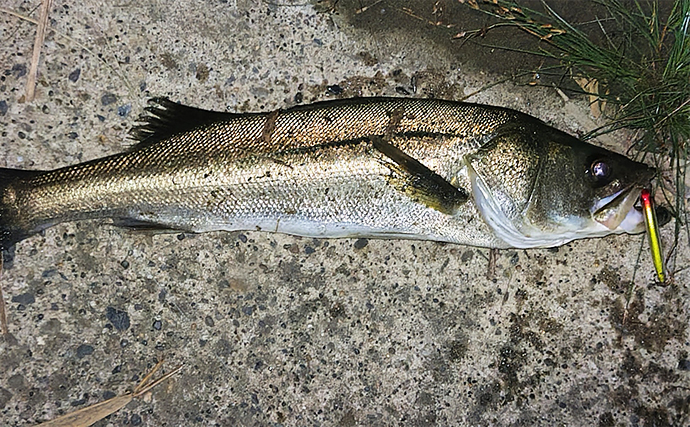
280, 330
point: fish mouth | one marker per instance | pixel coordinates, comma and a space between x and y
618, 210
622, 212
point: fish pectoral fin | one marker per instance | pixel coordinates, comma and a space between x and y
143, 226
419, 182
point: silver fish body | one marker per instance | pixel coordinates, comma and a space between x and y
372, 167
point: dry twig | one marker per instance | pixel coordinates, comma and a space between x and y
38, 43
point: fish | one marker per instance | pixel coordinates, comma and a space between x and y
393, 168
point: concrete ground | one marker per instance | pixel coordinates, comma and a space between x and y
281, 330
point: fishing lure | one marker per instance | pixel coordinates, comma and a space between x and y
652, 225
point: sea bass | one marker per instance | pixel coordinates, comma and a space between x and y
372, 167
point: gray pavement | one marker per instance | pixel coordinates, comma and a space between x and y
281, 330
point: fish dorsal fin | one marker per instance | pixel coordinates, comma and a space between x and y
419, 182
164, 118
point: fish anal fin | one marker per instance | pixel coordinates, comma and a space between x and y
165, 118
419, 182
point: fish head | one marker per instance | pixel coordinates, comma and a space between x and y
539, 187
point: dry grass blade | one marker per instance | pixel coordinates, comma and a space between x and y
38, 43
591, 88
87, 416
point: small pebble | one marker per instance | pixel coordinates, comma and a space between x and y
124, 110
108, 99
119, 318
25, 298
19, 70
74, 75
361, 243
334, 90
135, 420
209, 321
79, 402
84, 350
684, 364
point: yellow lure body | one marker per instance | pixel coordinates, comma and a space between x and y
653, 233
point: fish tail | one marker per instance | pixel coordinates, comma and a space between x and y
12, 181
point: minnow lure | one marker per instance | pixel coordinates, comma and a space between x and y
653, 233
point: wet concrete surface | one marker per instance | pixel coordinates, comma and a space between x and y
281, 330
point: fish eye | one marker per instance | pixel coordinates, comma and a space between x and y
600, 170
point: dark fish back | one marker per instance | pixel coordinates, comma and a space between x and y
171, 129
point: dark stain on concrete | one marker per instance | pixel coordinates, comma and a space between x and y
662, 325
627, 397
429, 23
168, 61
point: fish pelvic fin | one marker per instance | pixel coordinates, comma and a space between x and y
164, 118
419, 182
11, 230
146, 226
